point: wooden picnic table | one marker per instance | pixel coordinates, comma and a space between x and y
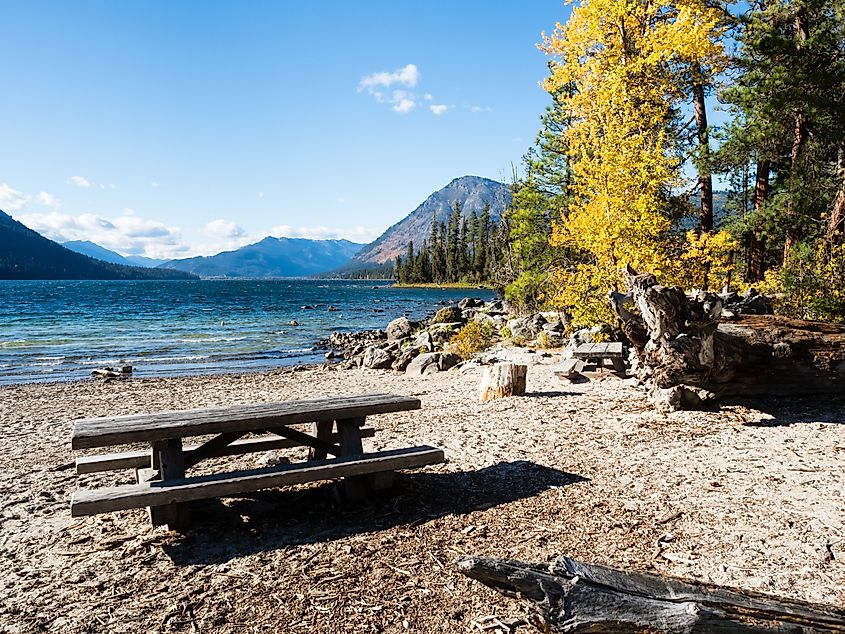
162, 485
600, 351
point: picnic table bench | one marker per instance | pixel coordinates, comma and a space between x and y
337, 426
598, 352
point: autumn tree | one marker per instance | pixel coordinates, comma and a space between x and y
616, 65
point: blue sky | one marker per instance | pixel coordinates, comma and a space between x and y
175, 128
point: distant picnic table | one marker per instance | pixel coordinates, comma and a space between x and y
162, 484
598, 352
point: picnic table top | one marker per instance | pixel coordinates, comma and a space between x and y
120, 430
605, 350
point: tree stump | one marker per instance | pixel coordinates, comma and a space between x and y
576, 597
685, 346
501, 380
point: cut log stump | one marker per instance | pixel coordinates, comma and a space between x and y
501, 380
576, 597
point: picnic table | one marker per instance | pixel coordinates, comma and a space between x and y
598, 352
163, 485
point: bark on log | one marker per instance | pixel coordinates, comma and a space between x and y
680, 341
501, 380
576, 597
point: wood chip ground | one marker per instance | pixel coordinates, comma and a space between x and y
750, 496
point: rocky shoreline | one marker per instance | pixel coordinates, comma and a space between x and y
427, 346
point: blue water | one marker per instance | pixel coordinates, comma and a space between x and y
61, 330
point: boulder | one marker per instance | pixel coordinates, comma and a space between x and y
485, 318
376, 359
400, 328
447, 361
404, 359
470, 302
497, 306
441, 333
521, 328
554, 326
423, 341
448, 314
424, 364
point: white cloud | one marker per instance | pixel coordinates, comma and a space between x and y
260, 195
480, 109
354, 234
439, 108
49, 200
127, 234
427, 96
401, 101
155, 184
407, 76
225, 229
79, 181
12, 199
404, 105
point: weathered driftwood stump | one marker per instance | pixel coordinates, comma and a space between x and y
682, 342
501, 380
575, 597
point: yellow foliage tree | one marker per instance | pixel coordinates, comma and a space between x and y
623, 61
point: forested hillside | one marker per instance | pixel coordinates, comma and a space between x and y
27, 255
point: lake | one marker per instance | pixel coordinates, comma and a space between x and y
61, 330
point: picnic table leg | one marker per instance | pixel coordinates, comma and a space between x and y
323, 431
169, 461
618, 365
355, 487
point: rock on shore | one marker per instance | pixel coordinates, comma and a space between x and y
424, 347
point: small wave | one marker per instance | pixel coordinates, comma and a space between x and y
17, 343
192, 357
46, 361
210, 339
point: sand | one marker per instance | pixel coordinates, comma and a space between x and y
750, 496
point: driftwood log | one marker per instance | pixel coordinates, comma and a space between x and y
684, 341
576, 597
501, 380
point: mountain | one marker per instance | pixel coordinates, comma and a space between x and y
94, 250
27, 255
472, 191
141, 260
273, 257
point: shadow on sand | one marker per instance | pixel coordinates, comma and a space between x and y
793, 410
268, 520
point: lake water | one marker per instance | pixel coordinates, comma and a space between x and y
61, 330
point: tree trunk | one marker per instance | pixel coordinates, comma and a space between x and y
799, 138
681, 342
575, 597
705, 179
757, 250
501, 380
836, 221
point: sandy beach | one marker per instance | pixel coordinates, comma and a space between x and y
750, 496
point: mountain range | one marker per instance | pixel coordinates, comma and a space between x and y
27, 255
30, 255
93, 250
272, 257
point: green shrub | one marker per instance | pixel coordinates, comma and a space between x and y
474, 337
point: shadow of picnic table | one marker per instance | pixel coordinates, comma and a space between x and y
272, 519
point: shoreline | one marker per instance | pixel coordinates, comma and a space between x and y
444, 286
588, 470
